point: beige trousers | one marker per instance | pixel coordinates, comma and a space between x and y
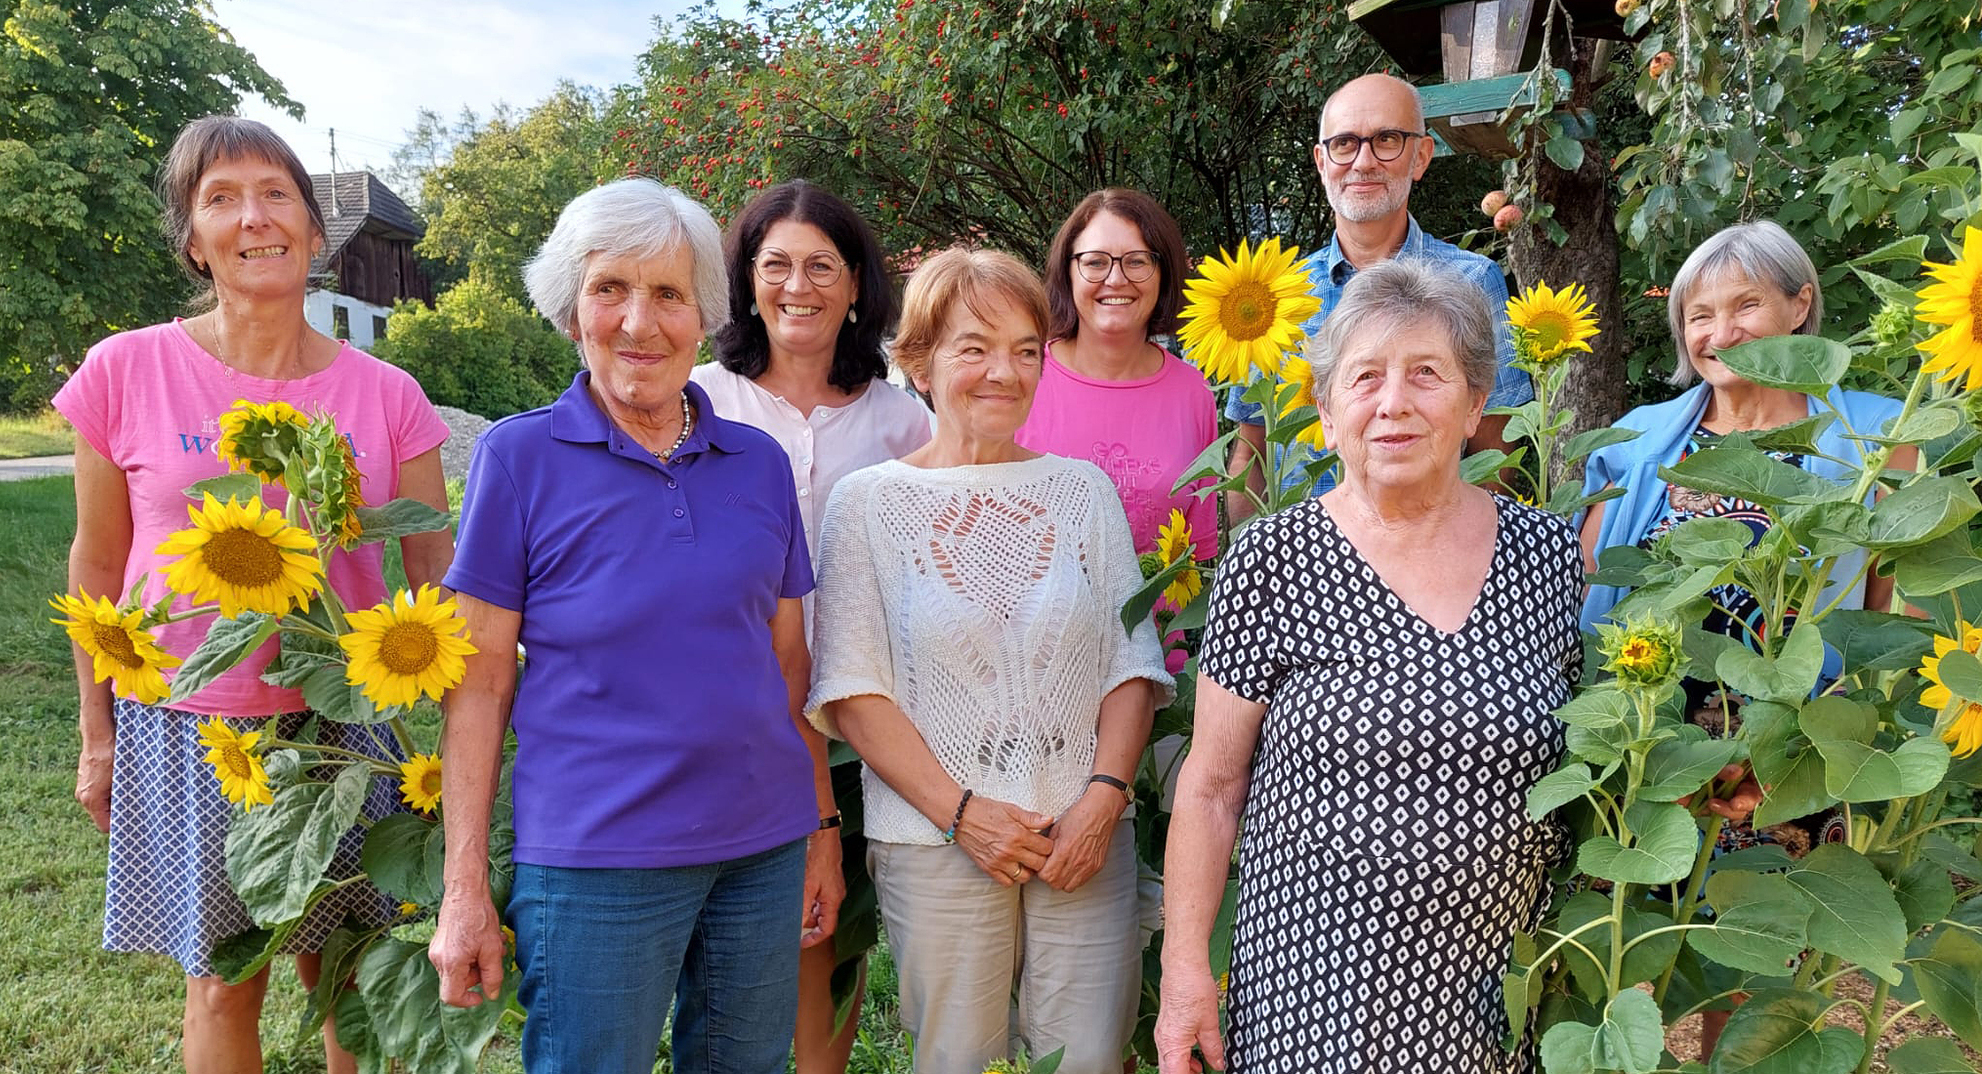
962, 944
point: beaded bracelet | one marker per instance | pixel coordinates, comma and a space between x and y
950, 836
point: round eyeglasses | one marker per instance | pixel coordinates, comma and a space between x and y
822, 269
1095, 265
1385, 145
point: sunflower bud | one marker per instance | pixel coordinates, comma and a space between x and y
1892, 325
1643, 654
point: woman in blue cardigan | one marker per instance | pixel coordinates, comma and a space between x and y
1749, 281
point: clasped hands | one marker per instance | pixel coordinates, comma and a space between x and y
1013, 845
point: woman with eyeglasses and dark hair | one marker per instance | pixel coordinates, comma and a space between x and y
1108, 393
801, 359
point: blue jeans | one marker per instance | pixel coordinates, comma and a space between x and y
602, 949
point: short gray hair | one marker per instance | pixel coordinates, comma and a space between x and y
627, 217
1760, 250
1400, 293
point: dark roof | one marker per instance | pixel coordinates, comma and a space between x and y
363, 203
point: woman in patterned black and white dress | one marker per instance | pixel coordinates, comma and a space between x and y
1375, 690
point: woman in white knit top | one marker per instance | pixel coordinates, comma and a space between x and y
969, 646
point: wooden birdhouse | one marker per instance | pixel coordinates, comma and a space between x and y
1487, 51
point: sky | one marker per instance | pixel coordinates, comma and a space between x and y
366, 67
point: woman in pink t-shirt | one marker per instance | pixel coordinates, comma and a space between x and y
1108, 393
241, 215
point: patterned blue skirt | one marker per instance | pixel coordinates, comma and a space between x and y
167, 891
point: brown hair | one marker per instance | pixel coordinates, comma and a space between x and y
960, 275
1158, 229
203, 143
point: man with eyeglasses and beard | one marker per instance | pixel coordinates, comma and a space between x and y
1373, 146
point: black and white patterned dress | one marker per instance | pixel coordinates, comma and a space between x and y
1387, 851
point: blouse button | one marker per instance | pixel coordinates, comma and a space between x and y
670, 482
677, 512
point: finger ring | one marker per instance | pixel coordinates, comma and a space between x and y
1018, 874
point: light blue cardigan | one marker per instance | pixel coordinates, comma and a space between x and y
1664, 428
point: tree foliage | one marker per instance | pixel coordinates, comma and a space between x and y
479, 349
988, 121
493, 200
91, 95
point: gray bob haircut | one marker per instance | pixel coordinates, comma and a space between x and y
636, 217
1760, 250
1400, 293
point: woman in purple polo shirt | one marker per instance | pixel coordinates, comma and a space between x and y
650, 556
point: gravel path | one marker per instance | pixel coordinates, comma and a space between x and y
463, 428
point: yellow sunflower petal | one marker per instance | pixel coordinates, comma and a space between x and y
1955, 301
1548, 324
245, 556
1246, 310
236, 764
1184, 587
410, 645
119, 649
419, 782
1173, 538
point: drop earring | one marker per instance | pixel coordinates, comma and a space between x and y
753, 309
850, 317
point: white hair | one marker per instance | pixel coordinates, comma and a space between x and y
1760, 250
1397, 294
628, 217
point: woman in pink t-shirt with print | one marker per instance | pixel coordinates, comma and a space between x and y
1108, 393
241, 216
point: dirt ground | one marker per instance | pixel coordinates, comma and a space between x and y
1683, 1039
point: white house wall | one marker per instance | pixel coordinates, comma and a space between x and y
319, 307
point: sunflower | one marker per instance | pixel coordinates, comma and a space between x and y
1549, 324
419, 782
119, 651
331, 482
1643, 655
235, 764
1956, 301
1173, 543
1964, 733
1295, 370
260, 438
246, 556
1246, 310
406, 647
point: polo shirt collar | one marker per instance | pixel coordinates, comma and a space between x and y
1339, 268
577, 419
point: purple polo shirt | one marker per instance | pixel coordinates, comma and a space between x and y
652, 726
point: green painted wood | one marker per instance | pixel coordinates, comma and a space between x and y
1484, 94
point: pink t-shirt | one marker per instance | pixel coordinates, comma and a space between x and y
1142, 433
150, 400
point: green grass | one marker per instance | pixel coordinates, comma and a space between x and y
72, 1008
28, 436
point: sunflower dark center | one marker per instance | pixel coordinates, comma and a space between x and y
116, 644
235, 760
408, 648
1975, 312
243, 558
430, 782
1247, 311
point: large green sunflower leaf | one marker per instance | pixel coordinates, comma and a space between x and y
1749, 474
1665, 839
1760, 926
1854, 914
276, 855
242, 487
402, 998
1677, 768
403, 857
1950, 980
1788, 676
227, 643
1920, 511
398, 518
1807, 364
1782, 1031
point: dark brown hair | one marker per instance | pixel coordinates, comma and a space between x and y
742, 345
203, 143
1165, 240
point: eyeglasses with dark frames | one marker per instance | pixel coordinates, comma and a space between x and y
1385, 145
1137, 265
773, 266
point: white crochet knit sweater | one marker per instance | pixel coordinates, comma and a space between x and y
985, 602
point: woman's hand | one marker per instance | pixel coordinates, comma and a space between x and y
93, 785
1187, 1017
825, 887
1081, 838
1740, 802
1004, 840
467, 950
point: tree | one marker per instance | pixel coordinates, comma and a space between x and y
91, 95
479, 349
947, 121
496, 197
